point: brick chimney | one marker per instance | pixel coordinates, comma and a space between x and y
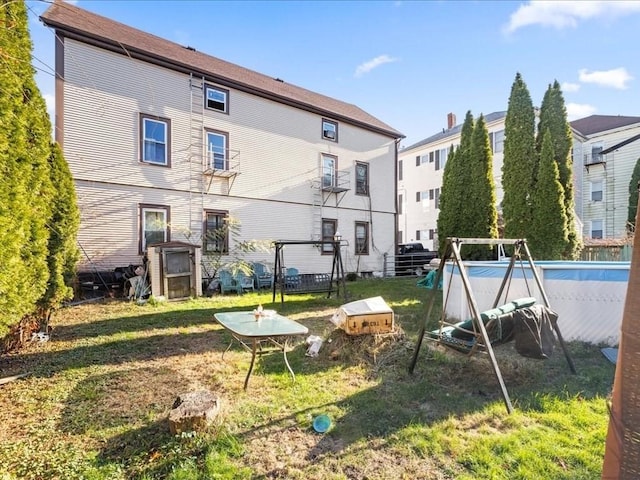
451, 120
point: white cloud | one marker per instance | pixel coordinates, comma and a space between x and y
579, 110
561, 14
366, 67
570, 87
616, 78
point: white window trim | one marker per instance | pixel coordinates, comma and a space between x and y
165, 122
144, 209
223, 91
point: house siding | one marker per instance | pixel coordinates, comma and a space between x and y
275, 196
615, 174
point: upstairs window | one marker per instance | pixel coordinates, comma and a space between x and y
215, 232
329, 130
362, 178
217, 99
217, 150
154, 225
596, 191
154, 140
329, 171
399, 169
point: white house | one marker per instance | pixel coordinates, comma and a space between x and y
605, 151
165, 142
420, 169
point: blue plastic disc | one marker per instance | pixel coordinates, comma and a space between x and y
321, 423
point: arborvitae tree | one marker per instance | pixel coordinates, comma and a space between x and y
23, 159
64, 223
452, 219
548, 236
519, 161
633, 198
449, 201
480, 210
553, 116
27, 194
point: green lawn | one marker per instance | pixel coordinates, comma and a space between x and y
96, 402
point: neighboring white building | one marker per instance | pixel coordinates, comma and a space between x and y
420, 169
605, 151
165, 142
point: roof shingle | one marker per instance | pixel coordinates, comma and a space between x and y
601, 123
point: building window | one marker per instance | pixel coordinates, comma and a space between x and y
596, 155
215, 233
217, 99
431, 233
155, 145
362, 238
436, 197
154, 225
424, 158
417, 160
217, 158
329, 130
498, 141
400, 170
329, 227
444, 154
596, 229
362, 178
400, 204
596, 191
422, 196
329, 171
417, 234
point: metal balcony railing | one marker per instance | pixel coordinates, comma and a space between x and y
222, 163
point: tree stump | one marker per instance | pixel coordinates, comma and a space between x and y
193, 411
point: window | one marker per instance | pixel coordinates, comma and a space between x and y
422, 196
215, 234
362, 238
217, 150
154, 225
417, 234
217, 99
596, 228
400, 170
596, 191
436, 196
444, 154
329, 130
431, 233
431, 157
400, 204
155, 146
329, 227
424, 158
329, 169
417, 160
596, 156
362, 178
496, 141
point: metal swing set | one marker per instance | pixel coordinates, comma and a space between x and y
483, 329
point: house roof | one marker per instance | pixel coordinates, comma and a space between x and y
91, 28
452, 132
601, 123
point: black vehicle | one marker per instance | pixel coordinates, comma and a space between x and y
413, 258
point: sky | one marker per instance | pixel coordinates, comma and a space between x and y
409, 63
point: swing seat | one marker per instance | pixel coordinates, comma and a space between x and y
461, 336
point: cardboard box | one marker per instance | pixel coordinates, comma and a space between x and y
368, 316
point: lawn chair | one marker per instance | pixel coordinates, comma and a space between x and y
292, 279
245, 282
228, 283
262, 277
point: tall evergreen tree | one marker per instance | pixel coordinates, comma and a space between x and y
64, 223
633, 198
553, 116
449, 200
548, 235
481, 212
453, 215
27, 194
519, 161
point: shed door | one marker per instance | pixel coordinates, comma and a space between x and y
177, 269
